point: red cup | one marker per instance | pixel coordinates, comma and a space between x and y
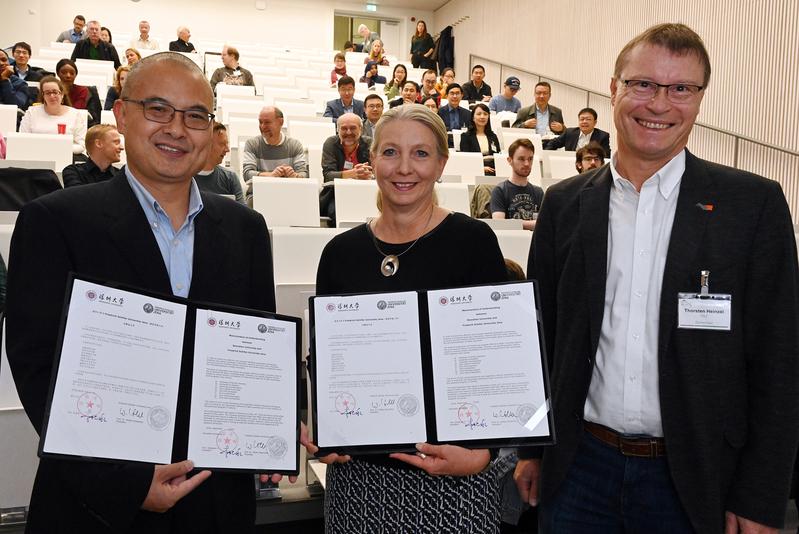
62, 129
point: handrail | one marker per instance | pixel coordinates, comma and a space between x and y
737, 137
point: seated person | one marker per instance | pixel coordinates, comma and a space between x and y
476, 90
104, 146
93, 46
182, 44
340, 68
232, 73
454, 116
516, 197
346, 103
430, 103
348, 47
541, 117
574, 138
76, 33
272, 153
591, 156
214, 178
376, 54
346, 155
55, 115
480, 138
369, 37
22, 54
132, 56
79, 96
507, 101
115, 90
13, 89
409, 95
370, 76
429, 86
144, 41
394, 86
374, 110
447, 77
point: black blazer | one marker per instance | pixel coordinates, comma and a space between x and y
106, 51
469, 142
570, 137
464, 117
100, 230
728, 399
555, 115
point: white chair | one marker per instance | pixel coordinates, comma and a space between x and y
223, 89
311, 133
356, 201
558, 164
297, 109
454, 197
296, 252
286, 201
284, 92
464, 164
31, 146
108, 117
515, 245
315, 162
251, 107
509, 135
8, 118
28, 164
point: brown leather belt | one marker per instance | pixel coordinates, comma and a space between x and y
638, 447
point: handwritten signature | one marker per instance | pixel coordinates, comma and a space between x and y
100, 418
131, 412
352, 413
228, 452
472, 424
505, 414
257, 444
383, 402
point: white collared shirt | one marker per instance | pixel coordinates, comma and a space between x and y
584, 139
625, 392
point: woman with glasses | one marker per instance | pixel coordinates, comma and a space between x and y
55, 115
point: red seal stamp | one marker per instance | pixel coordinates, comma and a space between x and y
227, 439
345, 403
90, 404
468, 413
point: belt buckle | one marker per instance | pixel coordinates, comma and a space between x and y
628, 448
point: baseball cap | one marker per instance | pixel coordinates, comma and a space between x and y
513, 82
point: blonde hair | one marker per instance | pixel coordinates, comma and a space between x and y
120, 70
97, 132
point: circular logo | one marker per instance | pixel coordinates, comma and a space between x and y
211, 321
276, 447
525, 412
262, 328
407, 405
495, 296
331, 307
345, 402
91, 294
443, 301
148, 308
468, 413
227, 439
90, 404
158, 418
381, 305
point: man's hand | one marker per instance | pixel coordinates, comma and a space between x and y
306, 442
363, 171
7, 72
289, 172
446, 459
736, 524
530, 123
486, 98
170, 484
527, 475
556, 126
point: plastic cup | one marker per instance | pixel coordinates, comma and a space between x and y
62, 129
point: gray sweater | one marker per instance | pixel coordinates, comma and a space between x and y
260, 157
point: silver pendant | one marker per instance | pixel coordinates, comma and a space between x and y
390, 265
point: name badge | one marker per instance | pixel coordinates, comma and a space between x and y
704, 311
348, 165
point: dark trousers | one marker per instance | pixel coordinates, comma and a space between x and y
606, 492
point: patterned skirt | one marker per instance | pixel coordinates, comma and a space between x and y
365, 498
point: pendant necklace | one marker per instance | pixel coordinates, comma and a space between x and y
390, 264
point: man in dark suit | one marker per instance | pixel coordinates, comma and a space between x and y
345, 104
454, 116
541, 116
22, 53
149, 227
574, 138
663, 423
92, 47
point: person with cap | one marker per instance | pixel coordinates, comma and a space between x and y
506, 100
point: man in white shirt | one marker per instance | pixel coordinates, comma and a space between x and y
669, 300
144, 42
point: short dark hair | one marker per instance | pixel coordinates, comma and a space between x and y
219, 127
371, 96
233, 51
678, 39
593, 148
416, 85
522, 142
80, 17
592, 111
23, 45
478, 66
340, 56
346, 80
66, 61
543, 84
110, 37
454, 85
348, 44
428, 71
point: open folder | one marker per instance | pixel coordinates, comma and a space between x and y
464, 366
144, 377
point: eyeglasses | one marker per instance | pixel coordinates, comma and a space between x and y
52, 92
161, 112
592, 159
676, 93
375, 106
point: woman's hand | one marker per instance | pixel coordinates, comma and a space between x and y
446, 459
306, 442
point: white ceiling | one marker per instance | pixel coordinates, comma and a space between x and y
427, 5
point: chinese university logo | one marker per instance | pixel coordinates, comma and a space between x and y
331, 307
211, 321
495, 296
381, 305
443, 301
262, 328
91, 294
148, 308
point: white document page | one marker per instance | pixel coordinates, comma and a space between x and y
117, 385
369, 370
488, 379
244, 393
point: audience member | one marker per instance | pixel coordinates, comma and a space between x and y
182, 44
232, 73
430, 103
447, 77
144, 42
115, 90
374, 110
346, 155
55, 115
574, 138
516, 197
422, 48
345, 104
394, 86
22, 54
132, 56
79, 96
13, 89
409, 95
214, 178
339, 69
105, 35
104, 146
272, 153
591, 156
76, 33
480, 138
454, 116
376, 53
507, 101
429, 86
542, 117
348, 47
476, 90
93, 47
370, 76
368, 38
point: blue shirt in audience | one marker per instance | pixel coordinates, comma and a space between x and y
499, 103
542, 121
177, 248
